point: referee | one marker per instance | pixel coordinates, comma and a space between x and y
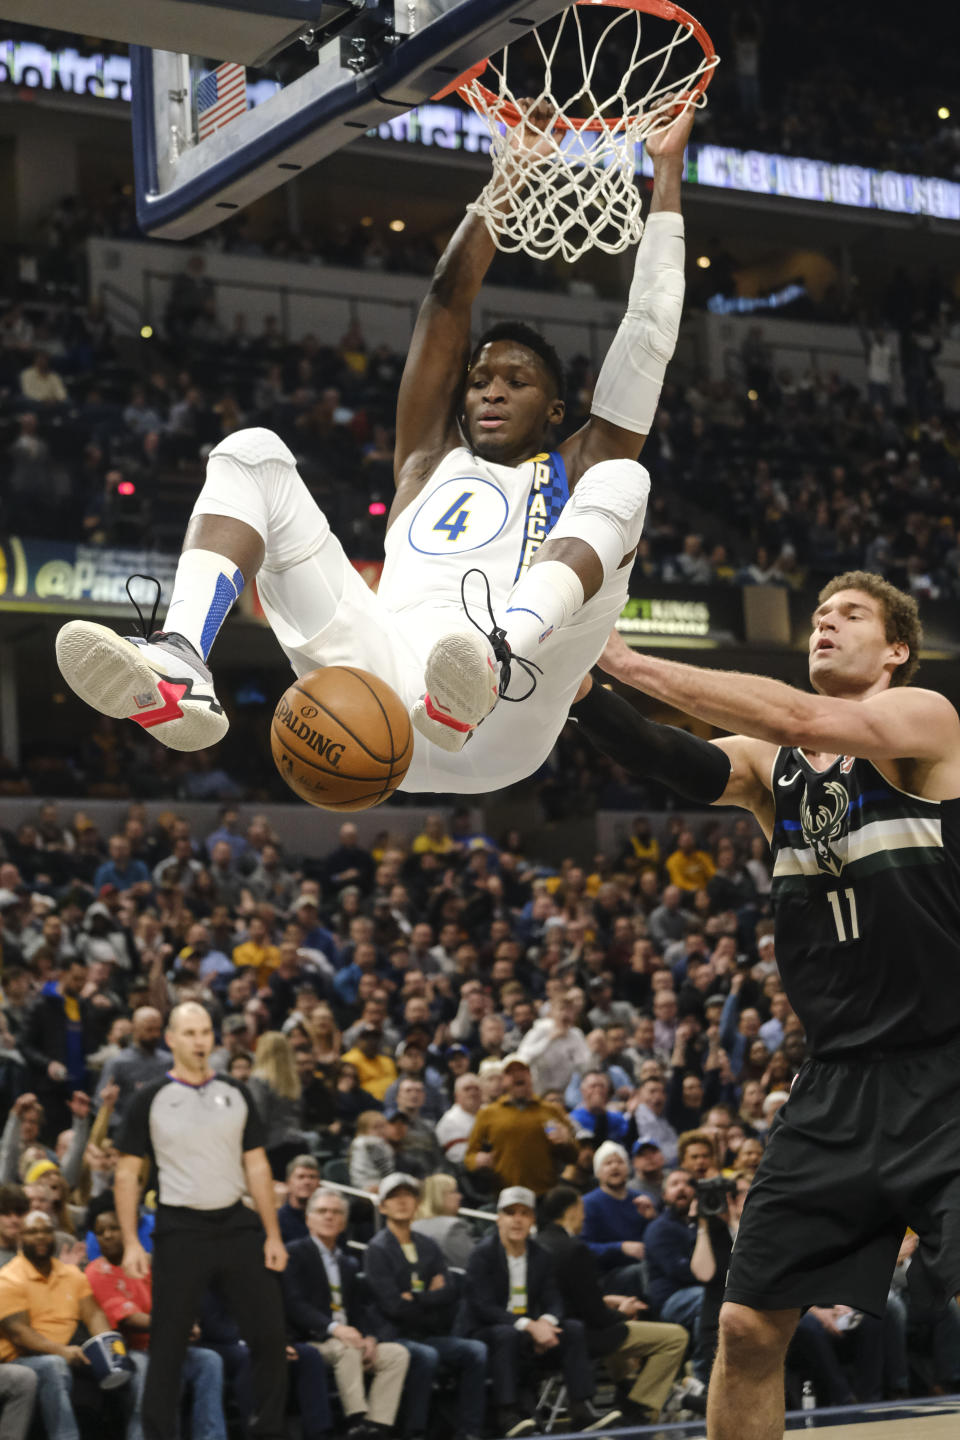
202, 1132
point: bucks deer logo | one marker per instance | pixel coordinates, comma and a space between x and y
824, 818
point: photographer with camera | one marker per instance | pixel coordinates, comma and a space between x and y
813, 1352
719, 1204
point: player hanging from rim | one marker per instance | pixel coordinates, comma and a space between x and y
477, 486
857, 787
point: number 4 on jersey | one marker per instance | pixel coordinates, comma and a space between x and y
455, 519
836, 905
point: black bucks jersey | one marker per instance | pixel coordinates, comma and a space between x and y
866, 886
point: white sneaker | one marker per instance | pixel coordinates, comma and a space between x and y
160, 683
467, 672
463, 678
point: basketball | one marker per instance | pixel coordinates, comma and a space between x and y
341, 738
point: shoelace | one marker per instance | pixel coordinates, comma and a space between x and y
498, 639
145, 630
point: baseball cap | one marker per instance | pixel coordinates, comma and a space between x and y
764, 941
397, 1181
490, 1066
599, 982
394, 1114
457, 1050
108, 889
646, 1142
714, 1000
511, 1060
302, 901
8, 898
516, 1195
234, 1024
412, 1042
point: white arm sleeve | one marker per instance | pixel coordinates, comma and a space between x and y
629, 384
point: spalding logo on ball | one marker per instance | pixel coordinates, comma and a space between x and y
341, 738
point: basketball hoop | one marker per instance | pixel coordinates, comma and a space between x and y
564, 164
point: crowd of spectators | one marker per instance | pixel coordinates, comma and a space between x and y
795, 473
770, 476
853, 84
445, 1024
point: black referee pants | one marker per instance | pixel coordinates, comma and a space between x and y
192, 1248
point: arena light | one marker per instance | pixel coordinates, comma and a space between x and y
146, 332
377, 507
753, 395
943, 113
398, 225
703, 261
126, 487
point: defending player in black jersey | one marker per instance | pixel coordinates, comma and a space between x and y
857, 787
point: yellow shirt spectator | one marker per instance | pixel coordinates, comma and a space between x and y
375, 1073
433, 838
524, 1141
258, 952
689, 868
646, 848
51, 1302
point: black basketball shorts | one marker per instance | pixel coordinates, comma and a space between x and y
861, 1150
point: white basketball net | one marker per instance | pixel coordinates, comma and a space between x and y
568, 188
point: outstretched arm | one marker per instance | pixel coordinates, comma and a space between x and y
437, 358
729, 771
628, 386
433, 376
892, 725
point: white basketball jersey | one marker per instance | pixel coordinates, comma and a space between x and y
471, 512
494, 517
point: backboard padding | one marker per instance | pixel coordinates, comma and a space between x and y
182, 194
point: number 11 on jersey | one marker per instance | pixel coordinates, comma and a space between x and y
836, 905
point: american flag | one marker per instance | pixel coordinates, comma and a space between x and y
221, 97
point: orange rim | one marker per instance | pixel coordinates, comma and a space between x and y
511, 115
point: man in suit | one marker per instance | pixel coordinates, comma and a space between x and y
512, 1303
414, 1301
323, 1306
615, 1328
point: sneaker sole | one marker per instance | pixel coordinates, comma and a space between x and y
111, 676
606, 1422
436, 732
461, 678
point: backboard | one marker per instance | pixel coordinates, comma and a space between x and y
209, 138
245, 30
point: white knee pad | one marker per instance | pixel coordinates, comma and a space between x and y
607, 510
254, 446
252, 476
